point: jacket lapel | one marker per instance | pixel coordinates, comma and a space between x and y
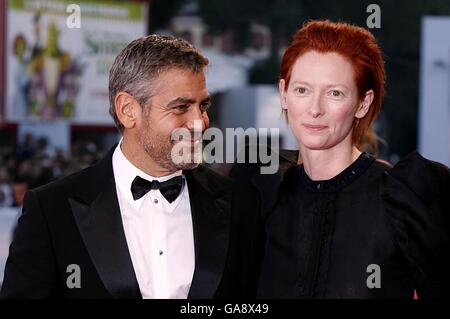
100, 224
211, 213
97, 214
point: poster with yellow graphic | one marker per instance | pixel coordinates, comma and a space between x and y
59, 55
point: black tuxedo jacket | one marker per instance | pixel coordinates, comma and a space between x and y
77, 220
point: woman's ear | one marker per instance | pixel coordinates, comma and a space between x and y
127, 109
365, 104
282, 90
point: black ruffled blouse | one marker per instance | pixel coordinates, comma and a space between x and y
370, 232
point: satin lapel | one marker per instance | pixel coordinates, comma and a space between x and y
211, 222
101, 228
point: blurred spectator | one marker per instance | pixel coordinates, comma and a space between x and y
25, 149
6, 197
42, 149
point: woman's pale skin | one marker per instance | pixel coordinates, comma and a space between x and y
322, 105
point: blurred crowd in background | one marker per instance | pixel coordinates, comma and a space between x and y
34, 163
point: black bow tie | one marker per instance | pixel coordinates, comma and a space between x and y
170, 189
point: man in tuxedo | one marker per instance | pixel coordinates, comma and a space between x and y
140, 224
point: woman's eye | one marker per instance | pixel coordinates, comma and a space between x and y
336, 93
301, 90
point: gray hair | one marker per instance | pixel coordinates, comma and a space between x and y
143, 60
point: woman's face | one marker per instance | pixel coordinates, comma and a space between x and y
322, 100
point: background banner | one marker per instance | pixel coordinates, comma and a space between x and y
58, 71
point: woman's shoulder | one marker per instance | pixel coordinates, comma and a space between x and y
377, 169
415, 179
415, 194
422, 177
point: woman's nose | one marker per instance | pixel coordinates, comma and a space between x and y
316, 108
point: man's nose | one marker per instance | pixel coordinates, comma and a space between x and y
198, 120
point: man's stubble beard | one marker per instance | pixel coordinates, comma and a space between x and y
159, 149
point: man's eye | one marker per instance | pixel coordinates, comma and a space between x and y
181, 107
205, 106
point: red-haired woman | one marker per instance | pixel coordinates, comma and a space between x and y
344, 224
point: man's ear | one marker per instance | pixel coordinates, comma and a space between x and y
365, 104
282, 90
127, 109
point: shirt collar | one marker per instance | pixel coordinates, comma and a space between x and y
125, 172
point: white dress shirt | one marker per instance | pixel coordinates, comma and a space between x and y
159, 234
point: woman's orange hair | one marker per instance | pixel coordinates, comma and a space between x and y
356, 44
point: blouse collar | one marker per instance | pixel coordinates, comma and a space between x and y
348, 175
